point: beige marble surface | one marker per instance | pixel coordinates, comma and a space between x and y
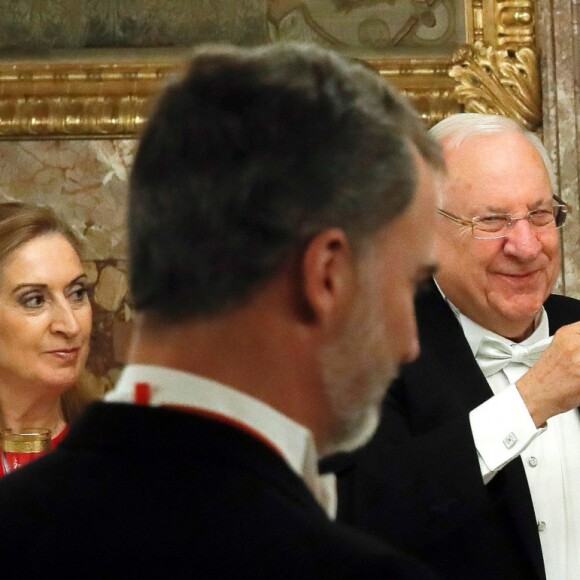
85, 181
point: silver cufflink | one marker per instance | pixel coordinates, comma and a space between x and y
510, 440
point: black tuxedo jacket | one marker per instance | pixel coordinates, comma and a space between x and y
418, 483
137, 492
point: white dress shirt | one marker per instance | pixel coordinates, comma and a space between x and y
503, 430
293, 441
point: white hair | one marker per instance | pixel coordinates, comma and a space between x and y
453, 130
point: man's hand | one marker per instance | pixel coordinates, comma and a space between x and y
552, 385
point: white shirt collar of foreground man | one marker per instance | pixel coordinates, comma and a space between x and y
177, 388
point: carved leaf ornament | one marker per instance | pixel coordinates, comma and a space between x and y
503, 81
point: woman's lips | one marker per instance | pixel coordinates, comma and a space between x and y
67, 355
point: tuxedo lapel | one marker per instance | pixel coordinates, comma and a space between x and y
446, 353
561, 311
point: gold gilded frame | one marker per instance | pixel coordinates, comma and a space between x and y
106, 93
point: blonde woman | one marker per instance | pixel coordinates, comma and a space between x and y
45, 321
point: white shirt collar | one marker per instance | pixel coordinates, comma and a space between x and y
474, 332
294, 441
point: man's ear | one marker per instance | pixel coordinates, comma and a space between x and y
328, 268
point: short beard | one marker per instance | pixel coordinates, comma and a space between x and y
355, 432
356, 382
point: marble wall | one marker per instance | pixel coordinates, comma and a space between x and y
559, 41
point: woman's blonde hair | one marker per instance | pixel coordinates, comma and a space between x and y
22, 222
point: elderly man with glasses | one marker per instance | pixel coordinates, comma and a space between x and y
476, 465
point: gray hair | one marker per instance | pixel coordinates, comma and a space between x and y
249, 156
455, 129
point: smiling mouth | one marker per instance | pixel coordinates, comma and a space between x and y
520, 280
518, 274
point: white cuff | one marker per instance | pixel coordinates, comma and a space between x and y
502, 428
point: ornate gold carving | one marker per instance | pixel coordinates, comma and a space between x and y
515, 21
499, 81
497, 69
425, 82
433, 105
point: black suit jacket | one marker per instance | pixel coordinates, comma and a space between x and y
136, 492
418, 483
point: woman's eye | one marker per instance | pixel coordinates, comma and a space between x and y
32, 300
79, 293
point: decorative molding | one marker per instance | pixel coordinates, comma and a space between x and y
88, 96
514, 23
504, 82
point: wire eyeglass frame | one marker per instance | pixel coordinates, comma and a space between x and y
560, 210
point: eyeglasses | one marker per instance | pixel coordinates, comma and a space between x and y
492, 227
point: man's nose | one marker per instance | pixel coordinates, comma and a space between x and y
522, 241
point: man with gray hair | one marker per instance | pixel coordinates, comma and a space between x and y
475, 465
281, 216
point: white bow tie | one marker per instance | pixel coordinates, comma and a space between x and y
493, 355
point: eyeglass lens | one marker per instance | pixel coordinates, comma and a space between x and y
538, 218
